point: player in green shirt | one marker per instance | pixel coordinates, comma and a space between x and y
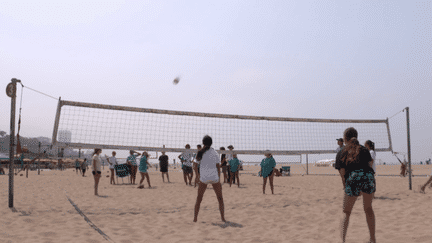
267, 166
234, 169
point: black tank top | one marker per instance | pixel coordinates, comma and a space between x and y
224, 163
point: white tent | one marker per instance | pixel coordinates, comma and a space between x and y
325, 162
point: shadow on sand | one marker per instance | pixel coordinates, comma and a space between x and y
387, 198
153, 187
228, 224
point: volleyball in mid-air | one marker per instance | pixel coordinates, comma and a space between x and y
176, 80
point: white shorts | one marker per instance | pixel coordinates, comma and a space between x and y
210, 181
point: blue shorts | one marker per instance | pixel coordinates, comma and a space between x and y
360, 181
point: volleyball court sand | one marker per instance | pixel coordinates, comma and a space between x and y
303, 209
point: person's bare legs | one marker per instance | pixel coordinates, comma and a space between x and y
96, 178
237, 176
422, 189
217, 187
167, 177
148, 179
264, 183
112, 181
271, 182
348, 204
134, 174
163, 179
231, 178
141, 185
225, 176
201, 189
185, 177
370, 215
190, 176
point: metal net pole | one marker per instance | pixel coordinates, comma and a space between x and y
12, 94
409, 147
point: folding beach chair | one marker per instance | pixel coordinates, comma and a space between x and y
121, 171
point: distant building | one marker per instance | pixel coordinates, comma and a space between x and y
64, 136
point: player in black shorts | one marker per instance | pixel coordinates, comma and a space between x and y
357, 176
163, 164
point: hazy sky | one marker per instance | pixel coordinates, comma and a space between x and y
312, 59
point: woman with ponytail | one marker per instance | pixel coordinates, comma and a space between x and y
209, 173
144, 164
353, 163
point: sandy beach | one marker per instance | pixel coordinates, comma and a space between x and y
303, 209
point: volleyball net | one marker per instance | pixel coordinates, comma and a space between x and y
88, 125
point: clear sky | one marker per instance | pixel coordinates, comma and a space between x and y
309, 59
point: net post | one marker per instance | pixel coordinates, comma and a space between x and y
389, 135
409, 147
38, 166
307, 164
12, 142
56, 122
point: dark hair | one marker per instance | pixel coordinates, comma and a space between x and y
207, 141
230, 146
199, 146
370, 144
352, 147
96, 150
223, 156
187, 145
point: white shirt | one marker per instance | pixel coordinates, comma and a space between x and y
373, 155
98, 163
208, 169
187, 156
229, 157
112, 161
339, 149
